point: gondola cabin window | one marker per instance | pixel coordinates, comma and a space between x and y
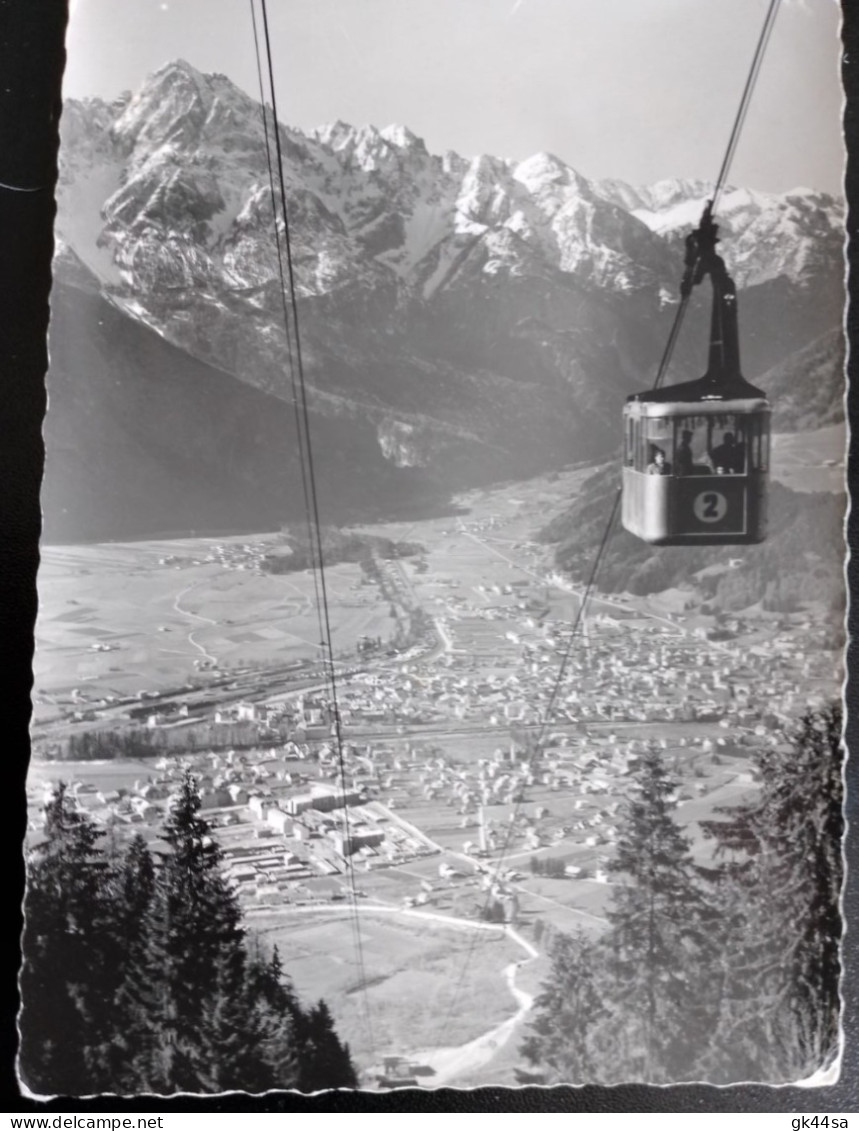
730, 444
714, 445
656, 452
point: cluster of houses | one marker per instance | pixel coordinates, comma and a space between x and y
230, 555
283, 816
568, 793
284, 838
141, 804
651, 674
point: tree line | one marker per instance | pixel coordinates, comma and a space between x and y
337, 546
105, 745
138, 976
724, 973
552, 867
136, 742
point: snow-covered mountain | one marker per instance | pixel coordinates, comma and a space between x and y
170, 188
766, 236
484, 317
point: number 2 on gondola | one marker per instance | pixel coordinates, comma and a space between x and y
710, 506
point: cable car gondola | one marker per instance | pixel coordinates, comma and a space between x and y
696, 454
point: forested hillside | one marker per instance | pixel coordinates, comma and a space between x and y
801, 559
807, 388
138, 977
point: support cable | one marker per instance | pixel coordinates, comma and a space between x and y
292, 316
662, 369
538, 742
745, 100
724, 169
299, 430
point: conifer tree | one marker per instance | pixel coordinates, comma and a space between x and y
325, 1062
637, 1003
233, 1032
659, 945
566, 1013
205, 910
68, 975
780, 1012
134, 886
277, 1010
192, 929
280, 1046
136, 883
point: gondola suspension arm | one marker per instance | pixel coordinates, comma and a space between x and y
702, 259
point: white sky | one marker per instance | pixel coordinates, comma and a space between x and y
635, 89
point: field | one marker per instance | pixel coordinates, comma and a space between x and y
429, 984
126, 617
488, 547
102, 775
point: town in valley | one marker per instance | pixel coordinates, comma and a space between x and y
464, 798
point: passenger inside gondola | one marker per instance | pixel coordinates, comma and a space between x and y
692, 456
729, 458
658, 465
697, 444
710, 445
683, 459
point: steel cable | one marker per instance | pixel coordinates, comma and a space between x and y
661, 372
297, 364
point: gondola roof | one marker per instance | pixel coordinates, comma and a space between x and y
710, 389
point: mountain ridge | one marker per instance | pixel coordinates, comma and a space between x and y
478, 314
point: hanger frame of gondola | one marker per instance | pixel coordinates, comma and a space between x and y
696, 454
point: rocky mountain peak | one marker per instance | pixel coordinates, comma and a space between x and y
763, 235
171, 105
403, 138
545, 169
334, 135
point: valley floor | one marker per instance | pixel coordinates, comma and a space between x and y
457, 811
